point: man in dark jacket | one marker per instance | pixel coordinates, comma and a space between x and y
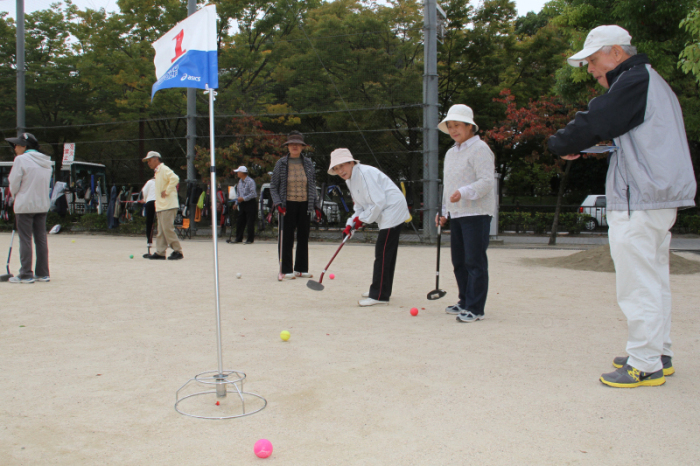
650, 176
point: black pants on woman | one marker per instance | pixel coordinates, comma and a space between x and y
247, 213
150, 217
296, 219
385, 252
469, 238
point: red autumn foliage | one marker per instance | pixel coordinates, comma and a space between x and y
526, 129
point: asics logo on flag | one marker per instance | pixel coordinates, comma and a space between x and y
186, 77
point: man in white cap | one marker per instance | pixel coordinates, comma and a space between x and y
167, 205
246, 205
376, 199
650, 176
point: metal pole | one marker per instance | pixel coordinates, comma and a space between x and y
220, 387
21, 125
191, 115
191, 131
430, 118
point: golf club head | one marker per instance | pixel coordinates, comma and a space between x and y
436, 294
314, 285
5, 278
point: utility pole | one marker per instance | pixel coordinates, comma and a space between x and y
430, 119
21, 125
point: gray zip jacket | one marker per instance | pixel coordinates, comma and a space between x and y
652, 168
30, 182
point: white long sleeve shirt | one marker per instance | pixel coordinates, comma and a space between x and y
469, 169
376, 198
149, 190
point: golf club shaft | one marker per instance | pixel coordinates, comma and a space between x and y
9, 254
437, 268
336, 253
280, 237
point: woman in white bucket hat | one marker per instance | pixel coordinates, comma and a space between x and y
469, 201
376, 199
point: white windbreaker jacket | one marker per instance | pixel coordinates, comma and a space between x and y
376, 198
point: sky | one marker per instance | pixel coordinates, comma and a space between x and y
111, 5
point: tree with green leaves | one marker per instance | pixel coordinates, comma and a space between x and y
689, 59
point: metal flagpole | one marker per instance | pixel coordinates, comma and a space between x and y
220, 388
221, 379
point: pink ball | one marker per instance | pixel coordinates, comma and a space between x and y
262, 448
414, 311
331, 276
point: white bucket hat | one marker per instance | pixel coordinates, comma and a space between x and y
338, 157
600, 37
458, 112
241, 169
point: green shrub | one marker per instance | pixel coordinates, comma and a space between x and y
67, 222
93, 222
541, 222
570, 222
135, 227
688, 224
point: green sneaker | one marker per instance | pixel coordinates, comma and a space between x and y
629, 377
667, 361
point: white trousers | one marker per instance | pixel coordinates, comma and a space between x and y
639, 245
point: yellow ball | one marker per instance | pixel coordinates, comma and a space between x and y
284, 335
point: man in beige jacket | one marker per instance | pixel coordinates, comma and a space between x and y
167, 204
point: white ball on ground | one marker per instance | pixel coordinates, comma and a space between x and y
238, 275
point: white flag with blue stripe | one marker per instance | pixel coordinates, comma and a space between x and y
186, 55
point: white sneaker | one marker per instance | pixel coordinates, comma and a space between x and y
303, 275
43, 279
285, 276
365, 294
21, 280
370, 302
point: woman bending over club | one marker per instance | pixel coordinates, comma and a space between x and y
376, 199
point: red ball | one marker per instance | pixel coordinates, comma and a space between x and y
331, 276
414, 311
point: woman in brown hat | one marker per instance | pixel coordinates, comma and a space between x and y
293, 190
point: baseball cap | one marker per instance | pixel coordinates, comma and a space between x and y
24, 139
241, 169
152, 154
598, 38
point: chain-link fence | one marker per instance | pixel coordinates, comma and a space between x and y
360, 91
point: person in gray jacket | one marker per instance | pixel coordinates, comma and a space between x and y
30, 181
294, 196
650, 176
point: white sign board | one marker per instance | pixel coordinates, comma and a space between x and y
68, 153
